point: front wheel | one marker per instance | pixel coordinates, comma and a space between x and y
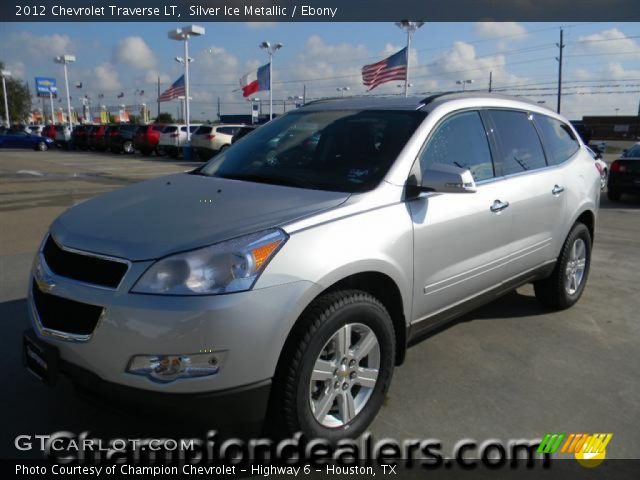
565, 285
42, 146
127, 147
336, 367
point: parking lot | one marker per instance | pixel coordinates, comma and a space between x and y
510, 370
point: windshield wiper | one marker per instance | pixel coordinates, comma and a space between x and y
273, 179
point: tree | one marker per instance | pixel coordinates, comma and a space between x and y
164, 117
19, 99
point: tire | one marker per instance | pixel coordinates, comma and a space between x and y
317, 334
561, 291
613, 195
127, 147
42, 146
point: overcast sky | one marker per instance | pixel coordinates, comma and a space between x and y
602, 60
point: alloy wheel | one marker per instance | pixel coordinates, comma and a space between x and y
344, 375
574, 272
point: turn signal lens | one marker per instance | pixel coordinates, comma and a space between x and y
262, 254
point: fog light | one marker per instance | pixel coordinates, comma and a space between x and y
167, 368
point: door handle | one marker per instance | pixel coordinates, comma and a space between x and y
498, 206
557, 190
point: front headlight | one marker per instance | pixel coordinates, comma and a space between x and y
231, 266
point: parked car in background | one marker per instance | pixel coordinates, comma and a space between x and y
121, 138
173, 138
49, 131
601, 165
18, 138
63, 136
36, 129
243, 131
146, 138
624, 174
79, 136
96, 138
208, 140
299, 292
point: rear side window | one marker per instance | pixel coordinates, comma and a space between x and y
519, 142
158, 128
228, 130
460, 141
204, 130
559, 140
170, 129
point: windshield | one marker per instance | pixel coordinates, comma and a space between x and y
633, 152
346, 151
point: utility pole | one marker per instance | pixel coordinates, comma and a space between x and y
560, 46
304, 94
158, 98
218, 108
490, 81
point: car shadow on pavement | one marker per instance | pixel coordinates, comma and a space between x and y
626, 202
30, 407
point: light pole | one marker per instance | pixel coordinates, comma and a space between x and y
183, 34
342, 90
270, 49
5, 74
464, 83
409, 28
65, 60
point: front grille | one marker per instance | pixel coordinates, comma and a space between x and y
64, 315
85, 268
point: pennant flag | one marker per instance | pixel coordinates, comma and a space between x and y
388, 70
255, 81
174, 91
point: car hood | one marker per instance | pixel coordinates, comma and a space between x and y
180, 212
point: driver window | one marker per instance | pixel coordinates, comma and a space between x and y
460, 141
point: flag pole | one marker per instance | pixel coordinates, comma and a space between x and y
408, 27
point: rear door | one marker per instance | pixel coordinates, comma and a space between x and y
535, 188
461, 240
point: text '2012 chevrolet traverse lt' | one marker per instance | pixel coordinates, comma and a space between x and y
288, 274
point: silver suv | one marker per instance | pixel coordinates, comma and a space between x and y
289, 274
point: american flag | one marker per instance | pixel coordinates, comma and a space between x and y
174, 91
387, 70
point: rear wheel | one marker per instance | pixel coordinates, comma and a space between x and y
613, 195
127, 146
565, 285
42, 146
336, 367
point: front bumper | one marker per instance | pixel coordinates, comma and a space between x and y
247, 329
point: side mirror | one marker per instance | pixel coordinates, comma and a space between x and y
447, 179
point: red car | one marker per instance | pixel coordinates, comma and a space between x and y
96, 138
146, 138
49, 131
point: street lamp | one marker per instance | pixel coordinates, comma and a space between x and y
183, 34
464, 83
65, 60
343, 89
270, 49
5, 74
409, 28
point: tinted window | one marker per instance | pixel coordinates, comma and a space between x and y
559, 140
228, 130
339, 150
519, 141
203, 130
460, 141
169, 129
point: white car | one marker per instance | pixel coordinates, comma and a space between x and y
35, 129
211, 139
602, 167
63, 135
174, 137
